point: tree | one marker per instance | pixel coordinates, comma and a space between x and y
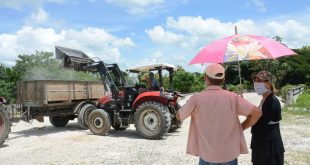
8, 79
41, 66
38, 66
300, 74
278, 38
183, 81
199, 82
275, 67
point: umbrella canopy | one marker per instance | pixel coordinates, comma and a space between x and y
241, 47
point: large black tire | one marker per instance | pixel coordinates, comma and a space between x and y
83, 115
99, 122
4, 126
59, 121
175, 124
152, 120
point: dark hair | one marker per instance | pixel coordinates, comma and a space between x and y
215, 81
271, 86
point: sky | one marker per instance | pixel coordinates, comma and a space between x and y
139, 32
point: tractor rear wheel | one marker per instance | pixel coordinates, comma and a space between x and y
59, 121
83, 115
4, 126
152, 120
99, 122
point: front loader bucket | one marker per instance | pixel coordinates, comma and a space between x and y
71, 58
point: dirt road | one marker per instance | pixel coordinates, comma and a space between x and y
41, 143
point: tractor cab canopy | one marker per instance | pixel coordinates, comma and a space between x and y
156, 68
152, 67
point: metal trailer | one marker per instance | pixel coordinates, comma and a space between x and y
60, 100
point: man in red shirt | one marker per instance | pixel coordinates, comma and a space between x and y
215, 133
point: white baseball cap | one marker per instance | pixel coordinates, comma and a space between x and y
215, 71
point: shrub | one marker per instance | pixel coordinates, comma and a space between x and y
282, 93
231, 87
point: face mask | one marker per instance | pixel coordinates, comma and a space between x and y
260, 88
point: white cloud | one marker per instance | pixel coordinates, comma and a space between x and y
195, 25
259, 4
197, 32
137, 6
93, 41
18, 4
38, 17
161, 36
155, 58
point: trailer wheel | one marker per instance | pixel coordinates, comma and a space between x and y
83, 115
99, 122
152, 120
4, 126
59, 121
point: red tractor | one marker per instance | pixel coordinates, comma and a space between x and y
152, 112
4, 121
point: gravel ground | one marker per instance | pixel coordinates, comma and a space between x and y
41, 143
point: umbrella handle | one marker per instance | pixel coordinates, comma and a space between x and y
241, 94
240, 83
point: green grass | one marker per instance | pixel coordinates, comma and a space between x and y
303, 100
302, 105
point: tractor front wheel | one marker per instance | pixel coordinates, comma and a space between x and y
152, 120
4, 126
59, 121
99, 122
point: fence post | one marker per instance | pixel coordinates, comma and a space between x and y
293, 93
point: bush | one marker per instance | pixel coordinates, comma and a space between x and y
283, 91
197, 87
183, 81
231, 87
248, 85
199, 83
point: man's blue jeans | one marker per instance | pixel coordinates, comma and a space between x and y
202, 162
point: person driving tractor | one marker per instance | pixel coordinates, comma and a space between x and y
153, 82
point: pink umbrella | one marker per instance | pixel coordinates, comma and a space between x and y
241, 47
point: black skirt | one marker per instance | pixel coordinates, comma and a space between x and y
268, 149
